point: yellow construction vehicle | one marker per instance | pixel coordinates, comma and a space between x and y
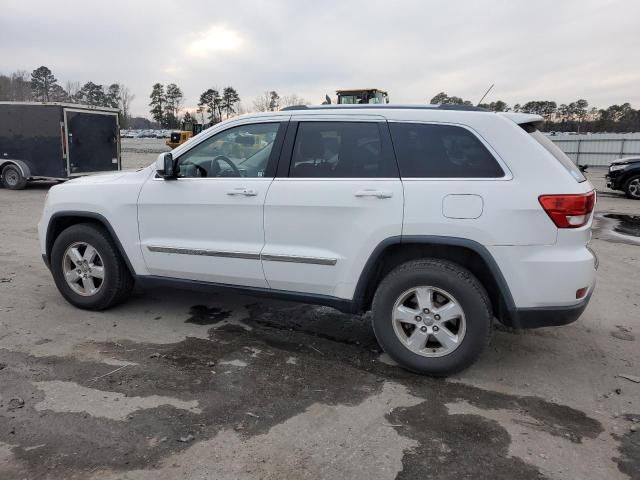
189, 129
362, 96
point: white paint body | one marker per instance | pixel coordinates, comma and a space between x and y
329, 219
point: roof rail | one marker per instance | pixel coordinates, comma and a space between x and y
464, 108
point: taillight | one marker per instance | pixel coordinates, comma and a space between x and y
569, 211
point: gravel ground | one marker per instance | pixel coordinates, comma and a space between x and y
186, 385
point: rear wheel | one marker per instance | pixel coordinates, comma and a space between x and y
12, 178
632, 187
88, 268
432, 316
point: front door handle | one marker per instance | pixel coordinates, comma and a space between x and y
374, 193
247, 192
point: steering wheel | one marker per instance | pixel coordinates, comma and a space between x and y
228, 162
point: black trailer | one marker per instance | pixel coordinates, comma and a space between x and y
56, 141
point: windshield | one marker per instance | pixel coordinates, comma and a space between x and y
554, 150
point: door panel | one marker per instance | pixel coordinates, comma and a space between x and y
93, 142
208, 224
203, 229
326, 221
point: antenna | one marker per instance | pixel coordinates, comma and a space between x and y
485, 94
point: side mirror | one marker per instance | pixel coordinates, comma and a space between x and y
166, 166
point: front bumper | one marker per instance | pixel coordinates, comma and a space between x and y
614, 180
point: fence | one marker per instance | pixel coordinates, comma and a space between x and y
598, 149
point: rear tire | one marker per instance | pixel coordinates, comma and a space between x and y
632, 187
432, 316
12, 178
89, 279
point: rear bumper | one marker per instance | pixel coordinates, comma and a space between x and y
549, 316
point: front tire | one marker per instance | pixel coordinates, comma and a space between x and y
12, 178
432, 316
88, 269
632, 187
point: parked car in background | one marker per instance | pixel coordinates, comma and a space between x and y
624, 174
438, 219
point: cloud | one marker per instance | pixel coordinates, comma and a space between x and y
217, 38
414, 49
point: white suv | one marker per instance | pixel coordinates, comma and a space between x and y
437, 218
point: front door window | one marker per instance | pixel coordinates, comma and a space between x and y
241, 151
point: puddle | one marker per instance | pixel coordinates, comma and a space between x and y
626, 224
617, 228
203, 315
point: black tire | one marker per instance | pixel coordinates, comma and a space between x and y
117, 283
449, 277
12, 178
632, 193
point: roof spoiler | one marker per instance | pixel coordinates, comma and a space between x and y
523, 119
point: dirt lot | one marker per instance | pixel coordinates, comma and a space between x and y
184, 385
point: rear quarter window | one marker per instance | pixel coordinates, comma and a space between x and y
441, 151
558, 154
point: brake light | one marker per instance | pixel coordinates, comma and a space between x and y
569, 211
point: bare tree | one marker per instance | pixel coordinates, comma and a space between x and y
126, 97
261, 102
72, 88
291, 100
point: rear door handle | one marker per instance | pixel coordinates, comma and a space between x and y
247, 192
374, 193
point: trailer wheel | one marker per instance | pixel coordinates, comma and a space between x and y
12, 178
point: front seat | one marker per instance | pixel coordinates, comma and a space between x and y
309, 157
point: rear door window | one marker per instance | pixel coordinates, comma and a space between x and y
341, 150
441, 151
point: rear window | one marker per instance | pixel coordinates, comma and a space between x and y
441, 151
554, 150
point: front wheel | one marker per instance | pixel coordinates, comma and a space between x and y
432, 316
632, 187
88, 269
12, 178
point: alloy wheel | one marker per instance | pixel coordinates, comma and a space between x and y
429, 321
83, 269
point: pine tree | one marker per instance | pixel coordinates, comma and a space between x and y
112, 96
173, 105
42, 84
92, 94
158, 100
274, 101
229, 100
209, 102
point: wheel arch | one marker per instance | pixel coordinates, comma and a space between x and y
467, 253
628, 177
60, 221
22, 166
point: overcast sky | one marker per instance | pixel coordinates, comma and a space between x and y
532, 50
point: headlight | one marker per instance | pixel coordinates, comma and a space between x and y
614, 168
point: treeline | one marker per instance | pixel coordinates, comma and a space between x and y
167, 103
571, 117
42, 86
213, 106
